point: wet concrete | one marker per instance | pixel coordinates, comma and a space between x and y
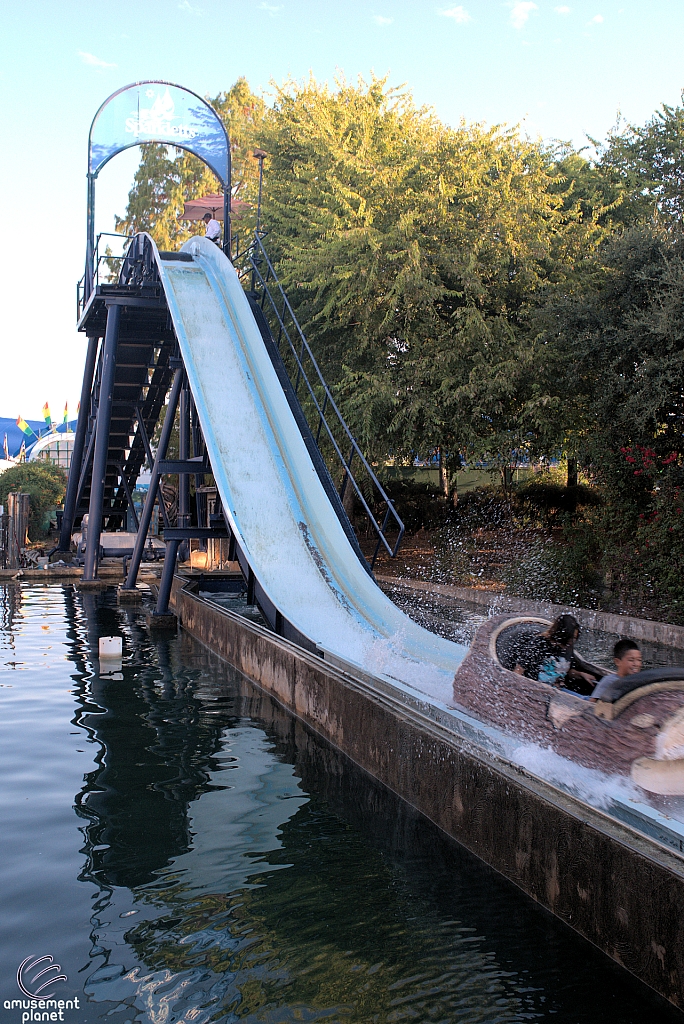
618, 889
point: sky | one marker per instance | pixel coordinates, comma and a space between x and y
560, 70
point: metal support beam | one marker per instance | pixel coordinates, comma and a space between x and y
146, 516
70, 500
184, 457
88, 280
167, 577
185, 467
150, 463
198, 449
144, 438
195, 532
82, 480
127, 489
104, 416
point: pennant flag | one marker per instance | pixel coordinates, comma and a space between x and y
23, 425
6, 449
47, 417
66, 414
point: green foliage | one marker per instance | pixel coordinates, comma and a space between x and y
44, 482
553, 503
410, 251
470, 290
617, 351
646, 165
483, 508
420, 506
568, 571
654, 564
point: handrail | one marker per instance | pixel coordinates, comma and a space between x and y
252, 261
97, 261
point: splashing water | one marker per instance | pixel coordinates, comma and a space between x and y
594, 787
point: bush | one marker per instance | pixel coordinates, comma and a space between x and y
419, 506
46, 485
485, 508
461, 556
553, 502
649, 566
565, 570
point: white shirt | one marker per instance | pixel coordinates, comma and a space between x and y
213, 230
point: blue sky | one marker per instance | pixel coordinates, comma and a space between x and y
561, 70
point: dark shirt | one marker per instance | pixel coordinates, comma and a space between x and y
544, 661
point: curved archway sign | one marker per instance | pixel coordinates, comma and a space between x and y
155, 112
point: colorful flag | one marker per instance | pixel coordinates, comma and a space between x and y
66, 414
47, 417
23, 425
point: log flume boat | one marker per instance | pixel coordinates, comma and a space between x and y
636, 730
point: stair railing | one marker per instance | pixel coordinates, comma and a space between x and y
346, 462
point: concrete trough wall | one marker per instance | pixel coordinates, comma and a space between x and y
618, 889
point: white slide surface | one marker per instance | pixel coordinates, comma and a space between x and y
271, 493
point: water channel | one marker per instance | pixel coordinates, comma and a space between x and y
187, 851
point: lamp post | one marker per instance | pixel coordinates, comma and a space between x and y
260, 155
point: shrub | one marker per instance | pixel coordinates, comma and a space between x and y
553, 502
46, 485
565, 571
485, 508
650, 566
420, 506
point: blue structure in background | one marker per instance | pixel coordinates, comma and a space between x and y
15, 436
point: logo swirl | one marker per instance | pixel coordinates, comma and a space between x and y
50, 974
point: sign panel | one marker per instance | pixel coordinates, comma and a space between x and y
158, 112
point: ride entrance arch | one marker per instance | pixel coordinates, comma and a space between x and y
161, 112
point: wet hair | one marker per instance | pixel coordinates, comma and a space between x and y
622, 646
562, 630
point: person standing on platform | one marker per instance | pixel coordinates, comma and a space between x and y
212, 228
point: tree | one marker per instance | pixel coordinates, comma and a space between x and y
617, 354
646, 164
411, 252
44, 482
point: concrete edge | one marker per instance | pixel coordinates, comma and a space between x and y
624, 625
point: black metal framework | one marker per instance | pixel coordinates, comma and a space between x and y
106, 260
333, 438
133, 313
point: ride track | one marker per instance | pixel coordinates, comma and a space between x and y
287, 526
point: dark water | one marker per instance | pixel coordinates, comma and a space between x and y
189, 852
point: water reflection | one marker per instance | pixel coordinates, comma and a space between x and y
241, 868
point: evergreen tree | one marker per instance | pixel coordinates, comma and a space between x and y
411, 252
646, 164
